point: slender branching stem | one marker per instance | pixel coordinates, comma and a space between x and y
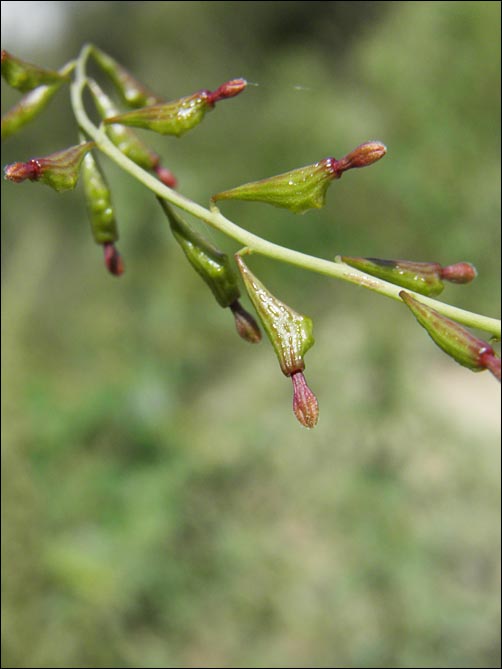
254, 243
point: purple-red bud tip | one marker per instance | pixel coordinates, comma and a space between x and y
305, 403
245, 324
362, 156
491, 361
227, 90
113, 259
18, 172
166, 176
460, 272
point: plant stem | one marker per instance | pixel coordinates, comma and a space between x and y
255, 244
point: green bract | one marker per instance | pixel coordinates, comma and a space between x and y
26, 76
421, 277
289, 332
172, 118
298, 190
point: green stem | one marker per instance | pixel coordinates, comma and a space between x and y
215, 218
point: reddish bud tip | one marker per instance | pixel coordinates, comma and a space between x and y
113, 259
227, 90
362, 156
245, 324
305, 403
460, 272
166, 176
18, 172
490, 361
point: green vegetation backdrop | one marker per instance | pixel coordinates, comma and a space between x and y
162, 506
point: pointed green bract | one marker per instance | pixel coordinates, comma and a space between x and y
173, 118
421, 277
132, 92
25, 76
27, 109
209, 262
452, 338
298, 190
289, 332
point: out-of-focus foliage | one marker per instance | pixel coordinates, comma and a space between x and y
162, 507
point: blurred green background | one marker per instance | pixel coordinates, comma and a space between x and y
162, 506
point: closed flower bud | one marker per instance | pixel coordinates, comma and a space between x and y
245, 324
176, 118
113, 259
290, 334
132, 92
27, 109
101, 213
460, 272
215, 269
453, 339
362, 156
304, 188
25, 76
60, 170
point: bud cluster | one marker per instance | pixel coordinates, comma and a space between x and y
298, 190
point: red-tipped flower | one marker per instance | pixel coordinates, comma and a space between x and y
60, 170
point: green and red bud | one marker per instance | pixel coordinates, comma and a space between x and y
179, 116
215, 269
26, 76
303, 188
28, 108
422, 277
362, 156
59, 170
132, 92
290, 334
453, 339
101, 213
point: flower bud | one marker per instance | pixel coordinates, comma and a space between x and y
290, 334
245, 324
132, 92
460, 272
176, 118
113, 259
59, 170
25, 76
453, 339
305, 403
27, 109
304, 188
101, 213
362, 156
